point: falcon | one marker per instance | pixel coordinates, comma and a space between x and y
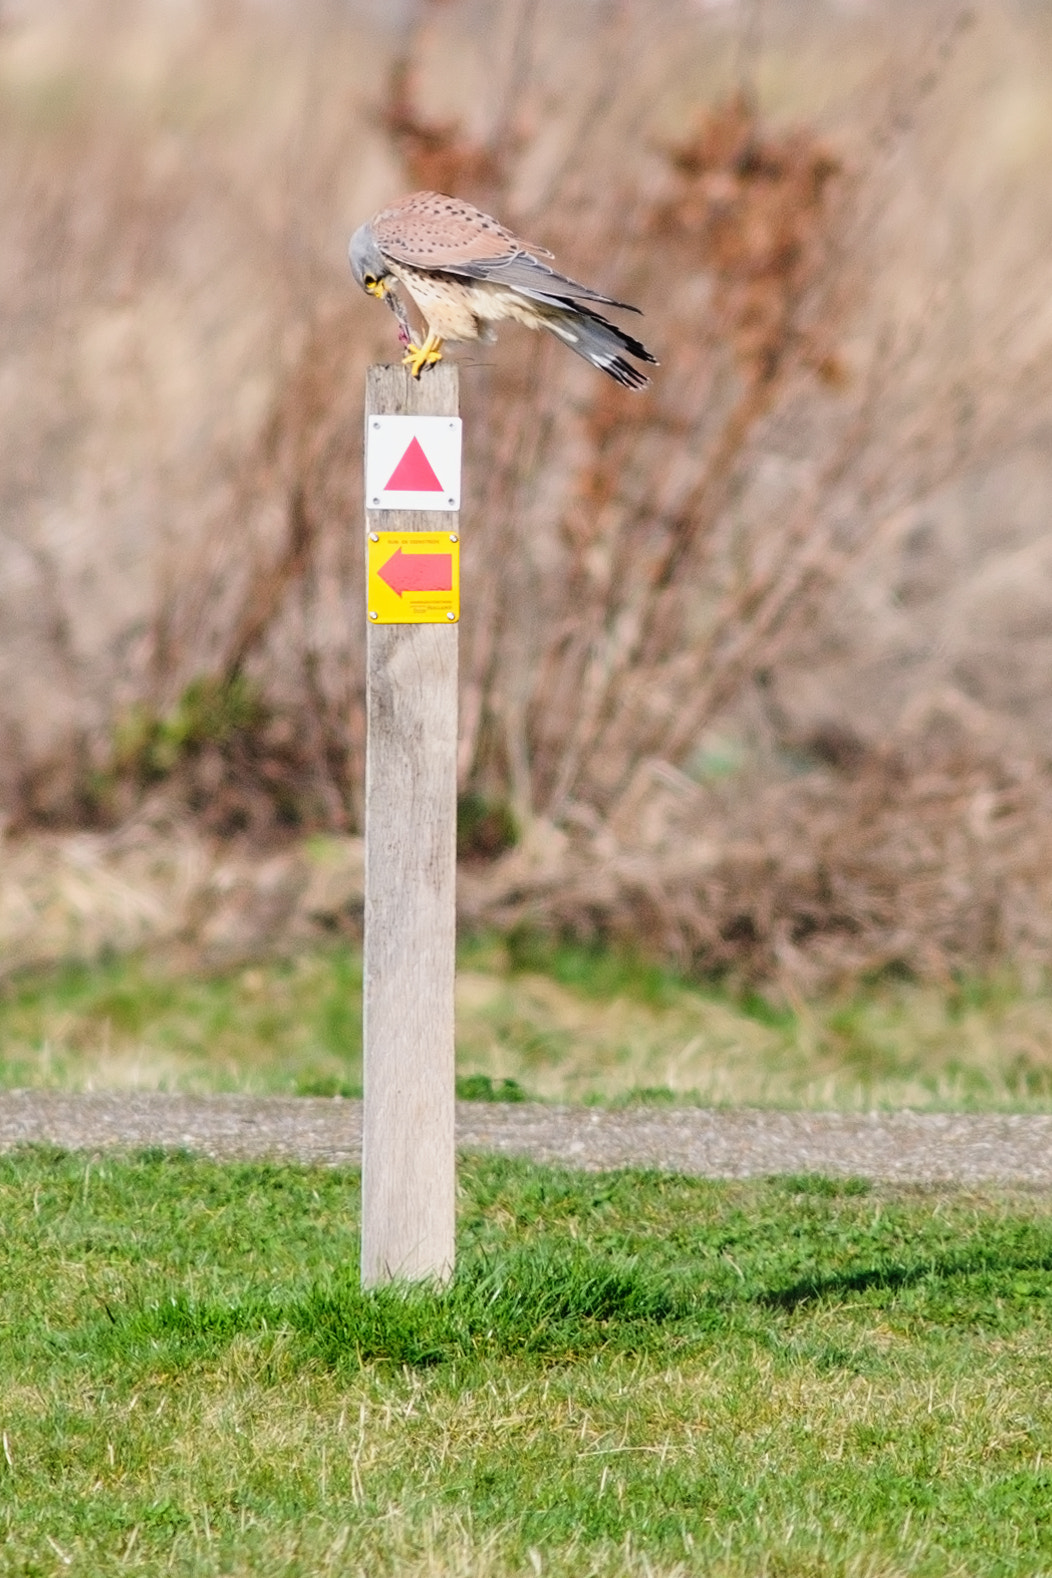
466, 273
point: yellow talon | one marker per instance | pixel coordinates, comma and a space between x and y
417, 357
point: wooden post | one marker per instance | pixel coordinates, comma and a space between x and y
409, 1158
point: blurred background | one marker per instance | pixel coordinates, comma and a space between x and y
755, 666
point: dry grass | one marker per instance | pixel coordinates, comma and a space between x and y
156, 884
563, 1023
903, 1046
812, 553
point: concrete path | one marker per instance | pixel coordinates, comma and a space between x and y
899, 1147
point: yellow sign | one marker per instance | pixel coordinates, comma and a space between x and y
414, 578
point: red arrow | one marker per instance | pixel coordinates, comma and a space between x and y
418, 572
414, 473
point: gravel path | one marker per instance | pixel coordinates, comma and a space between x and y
897, 1147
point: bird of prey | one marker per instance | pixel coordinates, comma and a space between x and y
466, 273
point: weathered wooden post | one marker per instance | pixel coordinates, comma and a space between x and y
412, 609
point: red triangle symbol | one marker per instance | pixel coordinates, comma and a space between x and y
414, 473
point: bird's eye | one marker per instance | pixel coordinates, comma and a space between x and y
369, 280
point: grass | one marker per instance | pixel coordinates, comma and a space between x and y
629, 1374
554, 1021
289, 1025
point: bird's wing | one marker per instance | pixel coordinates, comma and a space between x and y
525, 274
446, 235
429, 230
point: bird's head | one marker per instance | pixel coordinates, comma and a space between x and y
368, 264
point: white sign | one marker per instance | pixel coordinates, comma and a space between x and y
412, 462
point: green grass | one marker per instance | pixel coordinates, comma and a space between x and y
286, 1026
629, 1374
555, 1021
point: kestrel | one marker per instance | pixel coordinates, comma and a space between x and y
466, 273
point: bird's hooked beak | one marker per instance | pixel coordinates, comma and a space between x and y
377, 288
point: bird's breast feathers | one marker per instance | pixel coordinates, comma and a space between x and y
458, 309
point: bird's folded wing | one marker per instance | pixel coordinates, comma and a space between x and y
529, 277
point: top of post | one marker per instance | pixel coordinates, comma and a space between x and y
393, 391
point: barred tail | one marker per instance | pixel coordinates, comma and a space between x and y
600, 343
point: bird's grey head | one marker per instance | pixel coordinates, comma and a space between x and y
368, 264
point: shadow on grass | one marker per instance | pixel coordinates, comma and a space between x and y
892, 1278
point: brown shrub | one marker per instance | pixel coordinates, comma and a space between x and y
933, 868
641, 574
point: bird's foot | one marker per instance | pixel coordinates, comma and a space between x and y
417, 357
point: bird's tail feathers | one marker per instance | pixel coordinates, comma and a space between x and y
601, 343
